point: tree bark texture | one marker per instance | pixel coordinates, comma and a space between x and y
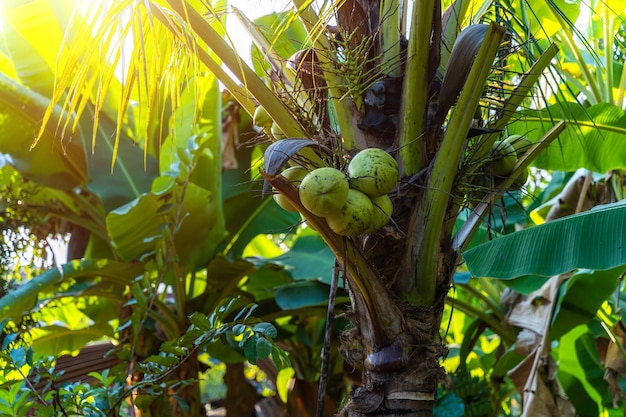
407, 387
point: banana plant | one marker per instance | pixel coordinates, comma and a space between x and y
149, 218
591, 87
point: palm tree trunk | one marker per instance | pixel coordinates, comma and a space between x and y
408, 385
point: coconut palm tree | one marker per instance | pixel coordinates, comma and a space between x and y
436, 88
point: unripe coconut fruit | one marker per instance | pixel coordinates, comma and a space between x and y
277, 132
262, 118
294, 174
520, 143
503, 159
521, 179
308, 224
324, 191
382, 209
355, 216
373, 172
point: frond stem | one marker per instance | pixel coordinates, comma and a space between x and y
275, 107
415, 89
444, 170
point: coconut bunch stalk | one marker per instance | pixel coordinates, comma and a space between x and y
480, 211
358, 272
478, 150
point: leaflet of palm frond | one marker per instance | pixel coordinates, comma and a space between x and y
306, 64
477, 131
353, 21
463, 54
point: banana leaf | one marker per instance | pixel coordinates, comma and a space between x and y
139, 227
594, 138
24, 297
54, 163
593, 240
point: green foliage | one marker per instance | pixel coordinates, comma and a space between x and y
449, 405
554, 247
592, 286
23, 254
169, 236
308, 258
21, 372
592, 140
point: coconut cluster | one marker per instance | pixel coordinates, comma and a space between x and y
263, 119
352, 204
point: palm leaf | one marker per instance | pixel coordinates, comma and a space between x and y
57, 162
239, 68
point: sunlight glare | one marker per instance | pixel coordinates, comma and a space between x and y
252, 10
